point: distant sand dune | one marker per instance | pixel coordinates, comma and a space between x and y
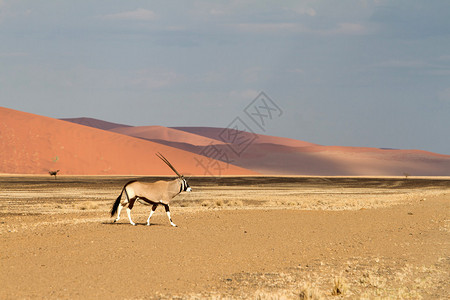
278, 156
95, 123
33, 144
166, 134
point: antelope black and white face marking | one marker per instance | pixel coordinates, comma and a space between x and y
185, 186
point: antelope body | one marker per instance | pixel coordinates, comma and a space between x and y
154, 193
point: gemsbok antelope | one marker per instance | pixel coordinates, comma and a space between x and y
154, 193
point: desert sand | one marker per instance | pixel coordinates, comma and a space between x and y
238, 238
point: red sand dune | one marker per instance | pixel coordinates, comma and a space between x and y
227, 135
91, 122
32, 144
166, 134
283, 156
332, 160
271, 159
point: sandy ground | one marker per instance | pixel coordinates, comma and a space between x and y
252, 237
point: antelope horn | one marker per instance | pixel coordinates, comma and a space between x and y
168, 163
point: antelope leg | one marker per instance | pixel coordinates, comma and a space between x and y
151, 213
118, 213
166, 206
129, 216
119, 210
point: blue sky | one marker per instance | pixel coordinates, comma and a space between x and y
351, 73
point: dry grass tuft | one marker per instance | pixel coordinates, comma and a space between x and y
222, 203
338, 286
308, 292
264, 295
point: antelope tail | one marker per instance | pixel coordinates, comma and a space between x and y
116, 203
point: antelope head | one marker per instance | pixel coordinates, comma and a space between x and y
184, 185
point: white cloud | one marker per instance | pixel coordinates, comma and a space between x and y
213, 77
154, 79
290, 28
139, 14
176, 28
403, 64
444, 96
6, 11
438, 72
296, 71
444, 58
13, 54
348, 29
248, 94
217, 12
269, 27
252, 74
305, 11
437, 68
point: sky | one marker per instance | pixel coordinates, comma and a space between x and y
349, 73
